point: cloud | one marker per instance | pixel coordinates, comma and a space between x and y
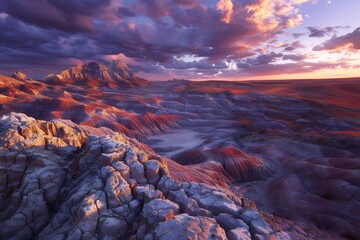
124, 12
321, 32
295, 57
294, 68
269, 15
297, 35
349, 41
226, 9
278, 63
47, 33
66, 15
260, 60
186, 3
293, 46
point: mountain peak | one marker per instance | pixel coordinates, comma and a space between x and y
96, 70
117, 62
94, 74
121, 69
19, 76
92, 65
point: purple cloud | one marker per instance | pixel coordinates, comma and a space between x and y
48, 33
320, 32
68, 16
293, 46
350, 40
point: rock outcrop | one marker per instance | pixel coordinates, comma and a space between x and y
60, 180
121, 69
237, 165
94, 74
19, 76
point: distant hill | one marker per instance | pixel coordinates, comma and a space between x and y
94, 74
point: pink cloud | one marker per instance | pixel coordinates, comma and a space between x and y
350, 41
269, 15
226, 9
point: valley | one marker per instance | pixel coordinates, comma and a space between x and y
292, 148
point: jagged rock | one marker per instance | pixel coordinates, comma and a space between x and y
183, 227
260, 237
121, 69
159, 210
217, 202
188, 205
104, 187
138, 173
249, 215
117, 190
19, 76
95, 74
109, 158
152, 168
155, 212
228, 223
147, 193
122, 168
23, 132
135, 206
238, 234
260, 227
112, 228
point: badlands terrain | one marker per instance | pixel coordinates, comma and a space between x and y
97, 152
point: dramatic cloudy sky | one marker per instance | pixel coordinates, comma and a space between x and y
196, 39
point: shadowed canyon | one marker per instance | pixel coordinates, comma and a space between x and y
97, 152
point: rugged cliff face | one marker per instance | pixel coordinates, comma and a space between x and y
60, 180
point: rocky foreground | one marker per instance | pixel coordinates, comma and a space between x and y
59, 180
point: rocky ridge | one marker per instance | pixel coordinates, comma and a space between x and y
95, 74
19, 76
64, 181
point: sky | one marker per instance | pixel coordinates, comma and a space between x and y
189, 39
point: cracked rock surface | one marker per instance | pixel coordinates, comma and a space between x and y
59, 180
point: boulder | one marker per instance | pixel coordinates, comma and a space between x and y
184, 227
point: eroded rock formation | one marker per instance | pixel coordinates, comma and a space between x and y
94, 74
292, 147
63, 181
